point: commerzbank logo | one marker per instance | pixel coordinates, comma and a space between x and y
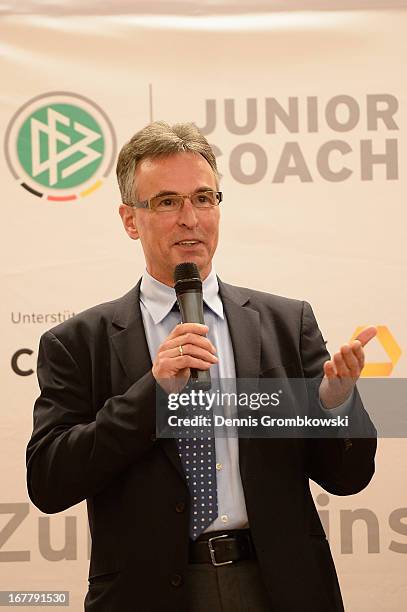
60, 146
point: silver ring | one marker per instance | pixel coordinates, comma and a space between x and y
181, 352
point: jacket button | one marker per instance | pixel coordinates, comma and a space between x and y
180, 506
176, 580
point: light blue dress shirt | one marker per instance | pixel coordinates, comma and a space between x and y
156, 301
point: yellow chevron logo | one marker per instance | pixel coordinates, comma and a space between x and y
389, 344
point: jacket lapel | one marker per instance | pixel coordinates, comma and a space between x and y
128, 338
244, 328
130, 343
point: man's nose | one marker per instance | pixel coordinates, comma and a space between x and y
188, 214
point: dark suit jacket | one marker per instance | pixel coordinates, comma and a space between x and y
94, 439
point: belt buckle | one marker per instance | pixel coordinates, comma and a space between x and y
212, 550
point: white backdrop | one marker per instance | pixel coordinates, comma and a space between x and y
308, 112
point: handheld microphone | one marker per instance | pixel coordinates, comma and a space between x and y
188, 288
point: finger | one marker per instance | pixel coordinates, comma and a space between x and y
188, 361
329, 369
185, 328
199, 352
190, 349
366, 335
358, 352
340, 365
189, 338
350, 360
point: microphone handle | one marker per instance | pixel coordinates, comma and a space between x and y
191, 308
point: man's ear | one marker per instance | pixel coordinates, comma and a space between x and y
128, 216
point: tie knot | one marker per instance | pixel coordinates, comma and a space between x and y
175, 307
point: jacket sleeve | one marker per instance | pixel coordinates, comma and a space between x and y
342, 465
74, 453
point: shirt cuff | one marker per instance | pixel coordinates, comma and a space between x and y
341, 410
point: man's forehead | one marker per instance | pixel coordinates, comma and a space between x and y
174, 172
184, 159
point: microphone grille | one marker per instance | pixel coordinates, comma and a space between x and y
186, 271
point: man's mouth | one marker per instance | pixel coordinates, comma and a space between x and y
188, 242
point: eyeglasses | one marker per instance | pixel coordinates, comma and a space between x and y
173, 202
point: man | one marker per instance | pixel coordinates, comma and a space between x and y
260, 545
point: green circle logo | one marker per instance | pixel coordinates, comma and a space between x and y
60, 146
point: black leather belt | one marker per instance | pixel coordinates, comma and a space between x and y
222, 547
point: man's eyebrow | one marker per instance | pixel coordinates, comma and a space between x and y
165, 193
204, 188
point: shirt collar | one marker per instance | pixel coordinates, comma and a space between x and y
159, 298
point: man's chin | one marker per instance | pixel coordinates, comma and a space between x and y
191, 258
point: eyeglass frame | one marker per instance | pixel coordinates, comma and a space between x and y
147, 203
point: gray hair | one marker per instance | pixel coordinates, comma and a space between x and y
155, 140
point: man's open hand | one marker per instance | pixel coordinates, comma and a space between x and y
343, 370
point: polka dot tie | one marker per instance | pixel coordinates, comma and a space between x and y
198, 459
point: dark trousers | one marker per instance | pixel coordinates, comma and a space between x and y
237, 587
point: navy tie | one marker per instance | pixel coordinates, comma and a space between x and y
198, 458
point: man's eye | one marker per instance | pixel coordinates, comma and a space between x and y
167, 203
204, 198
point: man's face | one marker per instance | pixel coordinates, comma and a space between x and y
162, 232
